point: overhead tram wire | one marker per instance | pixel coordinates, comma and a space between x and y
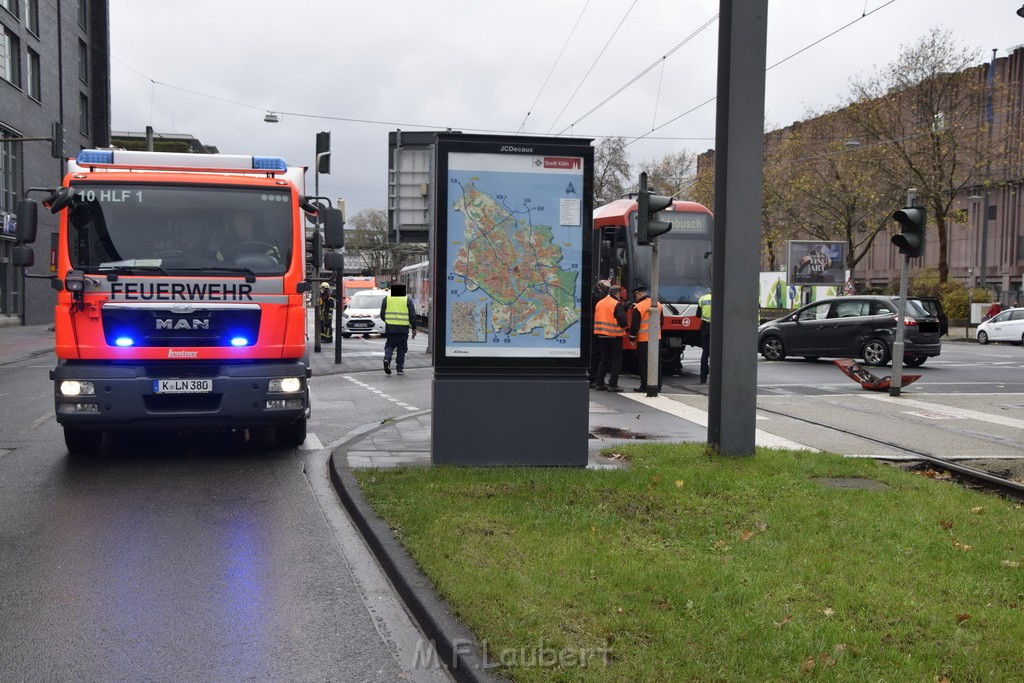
596, 59
557, 59
646, 135
660, 60
781, 61
657, 98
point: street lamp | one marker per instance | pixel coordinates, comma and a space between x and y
973, 199
1020, 12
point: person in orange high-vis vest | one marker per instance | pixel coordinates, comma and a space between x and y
609, 328
639, 332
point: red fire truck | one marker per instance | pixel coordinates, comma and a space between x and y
180, 284
685, 265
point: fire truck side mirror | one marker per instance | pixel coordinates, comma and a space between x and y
60, 199
28, 218
334, 260
334, 228
25, 233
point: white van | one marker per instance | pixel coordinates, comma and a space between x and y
362, 315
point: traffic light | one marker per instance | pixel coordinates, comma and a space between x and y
56, 140
323, 147
647, 228
912, 220
314, 250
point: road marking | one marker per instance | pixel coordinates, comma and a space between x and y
954, 412
44, 419
396, 401
931, 415
700, 417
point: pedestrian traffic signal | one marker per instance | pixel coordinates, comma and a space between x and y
649, 204
314, 249
912, 220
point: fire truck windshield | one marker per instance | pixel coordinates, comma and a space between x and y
684, 256
128, 228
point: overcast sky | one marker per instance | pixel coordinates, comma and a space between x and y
214, 68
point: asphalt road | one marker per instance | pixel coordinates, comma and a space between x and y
211, 558
187, 557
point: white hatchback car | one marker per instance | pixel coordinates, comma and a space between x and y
1007, 326
362, 315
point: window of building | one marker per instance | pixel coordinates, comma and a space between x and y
32, 16
10, 5
9, 171
10, 68
83, 114
83, 61
10, 181
83, 15
32, 77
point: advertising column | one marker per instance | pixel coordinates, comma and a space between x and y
512, 249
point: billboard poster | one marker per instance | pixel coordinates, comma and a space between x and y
513, 245
816, 263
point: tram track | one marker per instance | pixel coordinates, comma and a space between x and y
969, 476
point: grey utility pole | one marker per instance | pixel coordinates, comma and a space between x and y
739, 158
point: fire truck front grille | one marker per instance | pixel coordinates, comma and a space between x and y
166, 327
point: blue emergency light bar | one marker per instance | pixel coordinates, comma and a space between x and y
88, 157
94, 157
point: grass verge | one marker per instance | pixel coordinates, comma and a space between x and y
691, 567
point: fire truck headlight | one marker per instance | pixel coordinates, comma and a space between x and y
288, 385
239, 341
72, 387
124, 341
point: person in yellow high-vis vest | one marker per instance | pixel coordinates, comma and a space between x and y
704, 307
639, 332
399, 315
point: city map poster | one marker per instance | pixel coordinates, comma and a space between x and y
513, 255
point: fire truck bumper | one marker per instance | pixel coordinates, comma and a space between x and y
104, 396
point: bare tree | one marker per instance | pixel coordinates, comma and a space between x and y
366, 242
613, 175
928, 108
673, 174
816, 187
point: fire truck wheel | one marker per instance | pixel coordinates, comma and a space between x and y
81, 441
291, 435
346, 335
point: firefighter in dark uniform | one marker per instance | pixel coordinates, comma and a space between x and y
326, 313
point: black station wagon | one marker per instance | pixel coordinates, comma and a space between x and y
852, 327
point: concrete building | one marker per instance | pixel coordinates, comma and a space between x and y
54, 74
